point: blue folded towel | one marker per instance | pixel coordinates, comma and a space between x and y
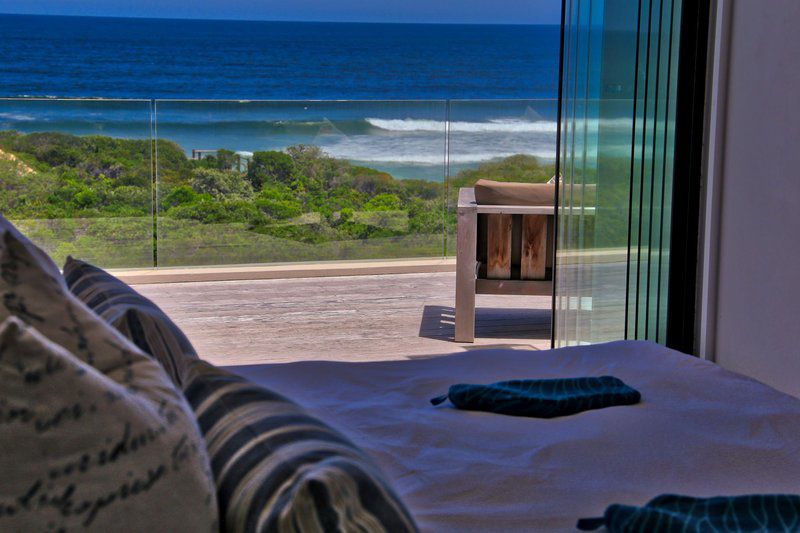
542, 398
669, 512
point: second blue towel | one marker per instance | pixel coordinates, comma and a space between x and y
542, 398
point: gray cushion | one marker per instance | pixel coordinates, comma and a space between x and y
488, 192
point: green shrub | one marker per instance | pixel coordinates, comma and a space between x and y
86, 198
210, 211
181, 195
384, 202
270, 167
222, 160
221, 183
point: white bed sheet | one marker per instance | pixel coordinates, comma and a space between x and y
699, 430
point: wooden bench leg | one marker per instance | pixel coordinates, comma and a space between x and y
465, 275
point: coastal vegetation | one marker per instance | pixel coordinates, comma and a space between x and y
109, 200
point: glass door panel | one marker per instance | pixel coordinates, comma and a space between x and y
617, 132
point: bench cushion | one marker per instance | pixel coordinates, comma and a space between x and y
488, 192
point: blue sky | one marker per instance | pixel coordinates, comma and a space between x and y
449, 11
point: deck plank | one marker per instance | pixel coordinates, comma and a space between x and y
358, 318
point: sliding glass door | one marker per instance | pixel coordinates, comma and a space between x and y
616, 164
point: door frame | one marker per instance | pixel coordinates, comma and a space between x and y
688, 176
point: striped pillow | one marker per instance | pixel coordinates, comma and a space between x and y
279, 469
133, 315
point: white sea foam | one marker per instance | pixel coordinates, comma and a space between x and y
492, 126
427, 149
17, 117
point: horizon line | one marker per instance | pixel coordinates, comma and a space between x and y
211, 19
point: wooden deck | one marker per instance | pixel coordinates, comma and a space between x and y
358, 318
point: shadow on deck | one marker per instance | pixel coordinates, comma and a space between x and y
438, 323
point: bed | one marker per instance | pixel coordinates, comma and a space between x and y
699, 430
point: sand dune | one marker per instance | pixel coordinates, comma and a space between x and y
21, 166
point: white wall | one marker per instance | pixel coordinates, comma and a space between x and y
757, 324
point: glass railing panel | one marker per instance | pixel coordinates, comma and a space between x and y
77, 177
502, 140
265, 182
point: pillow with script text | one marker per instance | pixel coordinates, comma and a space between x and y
33, 294
82, 452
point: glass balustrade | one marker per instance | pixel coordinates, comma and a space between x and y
174, 183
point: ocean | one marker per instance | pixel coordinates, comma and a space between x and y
416, 100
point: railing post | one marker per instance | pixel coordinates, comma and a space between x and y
446, 176
154, 177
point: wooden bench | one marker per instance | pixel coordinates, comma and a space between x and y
501, 249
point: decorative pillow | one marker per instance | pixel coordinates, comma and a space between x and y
31, 292
136, 317
82, 452
279, 469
